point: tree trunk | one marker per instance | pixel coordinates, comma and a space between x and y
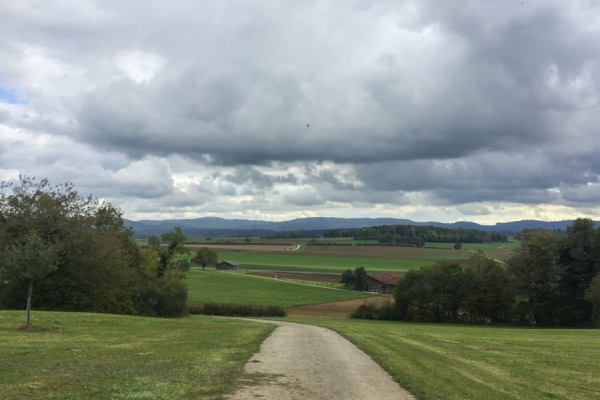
29, 292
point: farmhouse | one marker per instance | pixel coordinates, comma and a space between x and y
227, 265
383, 283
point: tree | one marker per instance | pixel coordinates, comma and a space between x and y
537, 275
593, 296
79, 252
360, 279
578, 254
492, 293
205, 256
348, 279
30, 259
154, 242
175, 241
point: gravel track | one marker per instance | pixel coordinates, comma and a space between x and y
313, 363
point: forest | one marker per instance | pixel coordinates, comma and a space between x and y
417, 235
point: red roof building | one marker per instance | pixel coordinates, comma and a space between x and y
383, 283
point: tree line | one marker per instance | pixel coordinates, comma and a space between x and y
417, 235
548, 281
63, 251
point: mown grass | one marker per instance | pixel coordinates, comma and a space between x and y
475, 362
234, 288
320, 264
100, 356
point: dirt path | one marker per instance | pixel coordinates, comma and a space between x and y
311, 363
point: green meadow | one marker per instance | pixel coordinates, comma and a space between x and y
104, 356
509, 246
479, 362
318, 264
235, 288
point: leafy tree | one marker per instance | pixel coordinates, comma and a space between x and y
83, 255
580, 259
97, 263
154, 242
492, 292
205, 256
348, 279
29, 259
593, 296
175, 241
360, 279
537, 275
436, 293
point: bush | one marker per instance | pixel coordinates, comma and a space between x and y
162, 297
195, 308
242, 310
384, 312
327, 244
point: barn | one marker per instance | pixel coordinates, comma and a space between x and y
227, 266
383, 283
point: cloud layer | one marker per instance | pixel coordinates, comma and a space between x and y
451, 111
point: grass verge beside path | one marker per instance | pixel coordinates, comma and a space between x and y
234, 288
101, 356
474, 362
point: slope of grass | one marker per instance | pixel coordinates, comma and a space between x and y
100, 356
227, 287
474, 362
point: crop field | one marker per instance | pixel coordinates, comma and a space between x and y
101, 356
236, 288
336, 259
475, 362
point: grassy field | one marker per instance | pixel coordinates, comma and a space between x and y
320, 264
510, 245
475, 362
228, 287
99, 356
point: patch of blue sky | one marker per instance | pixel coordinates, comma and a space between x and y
11, 97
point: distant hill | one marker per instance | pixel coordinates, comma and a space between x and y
220, 227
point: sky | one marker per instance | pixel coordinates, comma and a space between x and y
433, 111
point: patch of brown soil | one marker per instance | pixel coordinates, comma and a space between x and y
329, 278
38, 328
340, 309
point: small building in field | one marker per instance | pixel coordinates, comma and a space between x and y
383, 283
227, 266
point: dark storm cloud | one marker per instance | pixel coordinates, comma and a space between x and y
482, 87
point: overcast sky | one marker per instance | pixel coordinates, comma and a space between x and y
429, 110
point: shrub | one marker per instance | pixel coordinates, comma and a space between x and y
383, 312
242, 310
195, 309
162, 297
